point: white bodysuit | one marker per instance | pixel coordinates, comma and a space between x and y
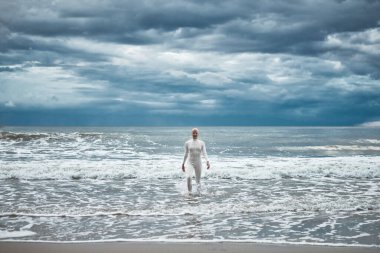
193, 151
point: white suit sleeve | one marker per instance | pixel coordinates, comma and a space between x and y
186, 153
204, 152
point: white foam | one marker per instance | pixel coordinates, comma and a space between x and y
308, 204
334, 148
11, 234
159, 166
371, 141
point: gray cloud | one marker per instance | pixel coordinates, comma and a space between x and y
255, 62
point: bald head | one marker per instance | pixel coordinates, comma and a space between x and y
194, 133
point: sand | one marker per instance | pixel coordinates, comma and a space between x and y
162, 247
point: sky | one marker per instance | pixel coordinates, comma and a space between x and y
180, 63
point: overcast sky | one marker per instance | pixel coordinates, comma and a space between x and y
237, 62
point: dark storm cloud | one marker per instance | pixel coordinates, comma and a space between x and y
251, 24
295, 27
231, 62
121, 21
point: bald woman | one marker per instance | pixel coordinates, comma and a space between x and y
192, 161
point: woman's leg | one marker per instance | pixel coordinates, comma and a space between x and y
189, 174
189, 186
198, 172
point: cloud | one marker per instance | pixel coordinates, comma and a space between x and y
248, 62
46, 87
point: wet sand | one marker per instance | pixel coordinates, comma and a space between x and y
162, 247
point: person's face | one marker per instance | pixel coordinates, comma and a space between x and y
195, 134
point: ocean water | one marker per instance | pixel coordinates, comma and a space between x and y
298, 185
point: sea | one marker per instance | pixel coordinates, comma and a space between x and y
288, 185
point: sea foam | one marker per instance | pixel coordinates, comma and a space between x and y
156, 166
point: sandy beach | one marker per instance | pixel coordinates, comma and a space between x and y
115, 247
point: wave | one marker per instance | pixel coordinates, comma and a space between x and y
12, 234
166, 167
182, 213
21, 136
335, 148
371, 141
24, 137
229, 206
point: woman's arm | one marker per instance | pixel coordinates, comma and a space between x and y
204, 152
185, 156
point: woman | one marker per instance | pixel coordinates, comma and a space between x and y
192, 162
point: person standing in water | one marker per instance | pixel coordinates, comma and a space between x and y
192, 161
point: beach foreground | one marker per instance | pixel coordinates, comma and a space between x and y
163, 247
291, 185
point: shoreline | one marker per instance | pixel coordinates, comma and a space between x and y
200, 241
168, 247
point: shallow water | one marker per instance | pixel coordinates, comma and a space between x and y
296, 185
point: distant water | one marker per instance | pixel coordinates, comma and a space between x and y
302, 185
